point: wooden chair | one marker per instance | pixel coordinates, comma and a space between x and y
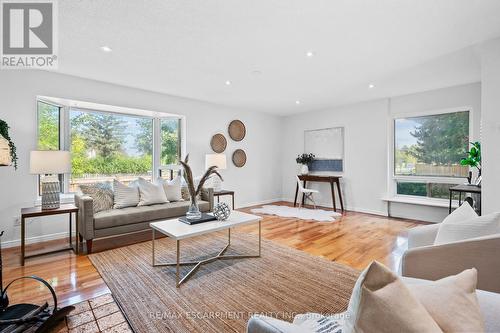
306, 192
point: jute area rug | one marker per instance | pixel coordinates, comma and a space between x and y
222, 295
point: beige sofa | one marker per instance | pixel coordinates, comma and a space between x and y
131, 219
425, 260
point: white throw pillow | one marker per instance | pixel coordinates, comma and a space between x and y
462, 213
125, 196
172, 188
457, 230
150, 194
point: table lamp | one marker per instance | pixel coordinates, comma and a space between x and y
218, 160
50, 163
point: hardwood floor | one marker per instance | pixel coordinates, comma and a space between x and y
355, 240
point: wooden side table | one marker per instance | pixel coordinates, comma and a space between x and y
224, 192
37, 211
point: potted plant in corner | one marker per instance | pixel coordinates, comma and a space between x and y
303, 161
8, 155
473, 159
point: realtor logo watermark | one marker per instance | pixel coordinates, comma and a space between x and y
29, 34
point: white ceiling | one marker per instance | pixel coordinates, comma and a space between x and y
189, 48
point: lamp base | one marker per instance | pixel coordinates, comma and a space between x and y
217, 184
51, 191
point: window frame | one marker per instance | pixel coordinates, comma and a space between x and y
393, 179
65, 134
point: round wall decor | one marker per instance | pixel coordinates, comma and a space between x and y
239, 158
218, 143
237, 130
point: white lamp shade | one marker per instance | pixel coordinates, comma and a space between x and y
219, 160
50, 162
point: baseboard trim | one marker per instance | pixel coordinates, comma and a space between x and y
257, 203
35, 239
350, 208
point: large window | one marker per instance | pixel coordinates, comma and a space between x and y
427, 153
106, 145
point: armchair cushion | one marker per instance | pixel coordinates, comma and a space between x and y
455, 230
422, 236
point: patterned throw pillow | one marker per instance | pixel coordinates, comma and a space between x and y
125, 196
102, 195
317, 323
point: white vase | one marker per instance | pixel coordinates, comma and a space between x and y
304, 169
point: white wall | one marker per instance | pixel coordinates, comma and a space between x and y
257, 181
367, 146
490, 77
365, 163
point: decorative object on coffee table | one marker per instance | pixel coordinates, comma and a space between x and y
8, 155
222, 211
237, 130
50, 163
239, 158
194, 211
218, 143
218, 160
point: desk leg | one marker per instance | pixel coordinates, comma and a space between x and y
333, 197
451, 195
340, 195
232, 195
296, 193
23, 236
70, 230
303, 195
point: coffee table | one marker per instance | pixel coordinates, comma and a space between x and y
177, 230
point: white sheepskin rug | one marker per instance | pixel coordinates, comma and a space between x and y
302, 213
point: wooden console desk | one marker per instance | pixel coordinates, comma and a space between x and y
324, 179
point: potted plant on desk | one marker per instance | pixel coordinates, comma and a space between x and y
473, 159
303, 161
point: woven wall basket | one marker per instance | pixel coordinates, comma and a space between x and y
237, 130
5, 158
239, 158
218, 143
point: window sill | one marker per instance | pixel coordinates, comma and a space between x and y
66, 198
421, 201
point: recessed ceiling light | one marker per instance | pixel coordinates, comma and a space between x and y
310, 54
371, 86
228, 83
106, 48
297, 102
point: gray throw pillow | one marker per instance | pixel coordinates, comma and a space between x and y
102, 195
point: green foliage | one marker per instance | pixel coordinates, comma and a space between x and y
474, 156
48, 127
441, 138
169, 139
104, 133
4, 131
118, 164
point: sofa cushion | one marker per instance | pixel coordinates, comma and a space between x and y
102, 195
151, 194
117, 217
125, 196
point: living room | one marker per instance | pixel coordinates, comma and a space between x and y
342, 142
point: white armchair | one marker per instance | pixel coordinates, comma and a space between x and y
425, 260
